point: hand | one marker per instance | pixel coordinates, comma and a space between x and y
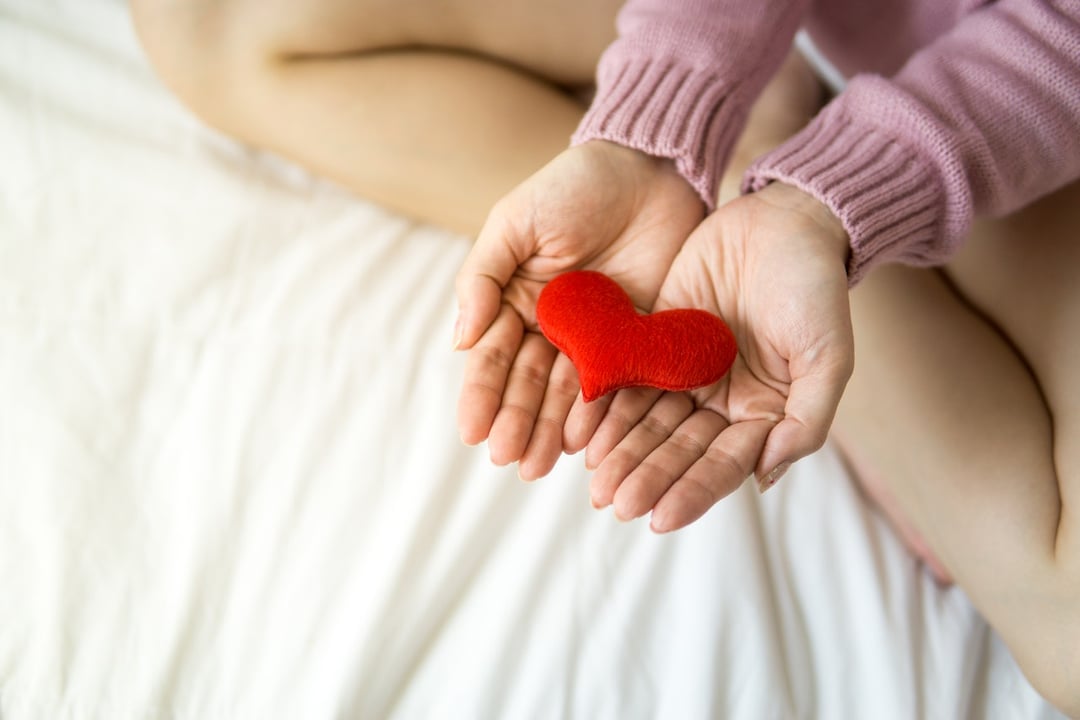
598, 206
772, 264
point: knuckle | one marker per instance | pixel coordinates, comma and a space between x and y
726, 464
701, 494
493, 359
653, 473
620, 422
687, 444
518, 413
549, 421
656, 426
564, 382
477, 386
639, 395
530, 374
818, 440
813, 438
621, 460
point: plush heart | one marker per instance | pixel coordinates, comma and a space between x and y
593, 321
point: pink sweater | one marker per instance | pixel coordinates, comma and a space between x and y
955, 108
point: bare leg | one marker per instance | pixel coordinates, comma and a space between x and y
790, 100
435, 109
965, 406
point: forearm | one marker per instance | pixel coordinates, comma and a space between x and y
981, 122
681, 77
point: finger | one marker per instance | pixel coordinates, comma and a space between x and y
648, 482
494, 258
546, 444
651, 432
583, 420
525, 384
808, 413
725, 466
625, 411
487, 366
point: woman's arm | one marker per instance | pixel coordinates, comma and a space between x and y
982, 121
681, 77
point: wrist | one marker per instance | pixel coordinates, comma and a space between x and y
833, 235
630, 158
649, 173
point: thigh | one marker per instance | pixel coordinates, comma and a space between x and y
945, 415
1023, 274
559, 40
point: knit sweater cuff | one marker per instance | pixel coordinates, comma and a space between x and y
888, 198
670, 110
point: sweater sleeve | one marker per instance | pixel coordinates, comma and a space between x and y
981, 122
681, 77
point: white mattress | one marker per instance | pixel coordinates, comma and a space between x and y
231, 485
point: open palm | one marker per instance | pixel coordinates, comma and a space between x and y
772, 265
598, 206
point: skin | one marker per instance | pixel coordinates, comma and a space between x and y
773, 265
595, 207
963, 409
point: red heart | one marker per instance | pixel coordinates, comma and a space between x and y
593, 321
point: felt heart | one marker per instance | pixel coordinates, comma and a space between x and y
593, 321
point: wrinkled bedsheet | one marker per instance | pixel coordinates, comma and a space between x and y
231, 484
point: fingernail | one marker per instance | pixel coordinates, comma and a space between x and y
773, 476
658, 524
459, 330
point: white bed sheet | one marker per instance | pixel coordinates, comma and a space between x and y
231, 487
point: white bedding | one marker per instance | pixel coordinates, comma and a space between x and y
231, 486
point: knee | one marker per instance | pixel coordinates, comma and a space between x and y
1049, 655
1060, 692
196, 51
1063, 690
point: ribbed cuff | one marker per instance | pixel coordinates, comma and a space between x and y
889, 199
667, 110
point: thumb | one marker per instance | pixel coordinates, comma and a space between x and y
496, 255
811, 405
687, 285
